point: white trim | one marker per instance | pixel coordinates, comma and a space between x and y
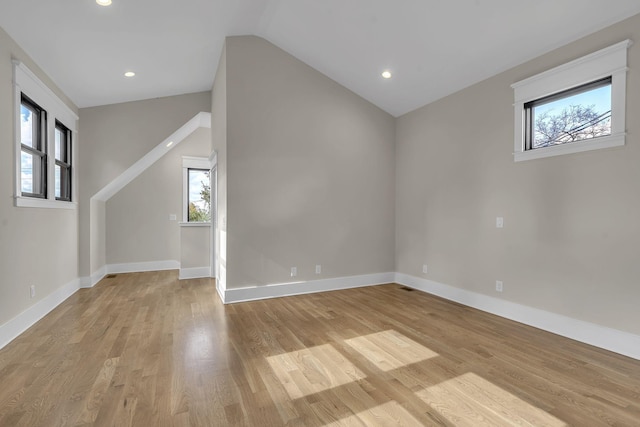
600, 336
200, 120
32, 202
252, 293
97, 276
600, 64
191, 162
220, 292
33, 87
570, 148
194, 224
25, 81
610, 61
194, 273
136, 267
23, 321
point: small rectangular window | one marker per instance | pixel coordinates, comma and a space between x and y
577, 114
198, 195
33, 149
63, 162
575, 107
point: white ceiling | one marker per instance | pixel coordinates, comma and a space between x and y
433, 47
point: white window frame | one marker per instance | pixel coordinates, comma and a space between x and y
26, 82
610, 61
189, 162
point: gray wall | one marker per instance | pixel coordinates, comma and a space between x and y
310, 172
571, 237
113, 138
195, 245
37, 246
138, 228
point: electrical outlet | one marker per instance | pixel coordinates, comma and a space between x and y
318, 269
294, 271
499, 222
424, 268
32, 291
498, 286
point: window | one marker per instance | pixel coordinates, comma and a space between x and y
44, 129
196, 190
63, 162
578, 106
573, 115
199, 195
33, 149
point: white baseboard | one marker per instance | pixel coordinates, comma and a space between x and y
252, 293
600, 336
91, 281
23, 321
220, 293
194, 273
610, 339
136, 267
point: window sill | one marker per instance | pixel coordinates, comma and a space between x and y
195, 224
32, 202
573, 147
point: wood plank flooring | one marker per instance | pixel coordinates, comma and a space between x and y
145, 349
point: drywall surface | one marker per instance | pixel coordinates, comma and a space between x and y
310, 172
113, 138
571, 232
138, 218
37, 246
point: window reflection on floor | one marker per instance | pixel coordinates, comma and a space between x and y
471, 400
389, 350
387, 414
312, 370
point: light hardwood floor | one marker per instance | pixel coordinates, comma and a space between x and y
145, 349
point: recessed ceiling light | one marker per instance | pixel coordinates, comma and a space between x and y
386, 74
169, 144
129, 74
104, 2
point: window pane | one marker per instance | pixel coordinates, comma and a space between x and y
59, 138
58, 179
199, 195
31, 173
28, 126
26, 169
573, 118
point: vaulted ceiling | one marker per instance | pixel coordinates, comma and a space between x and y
432, 47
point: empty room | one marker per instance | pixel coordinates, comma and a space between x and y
319, 213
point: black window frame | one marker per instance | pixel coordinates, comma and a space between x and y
40, 148
64, 163
531, 105
189, 190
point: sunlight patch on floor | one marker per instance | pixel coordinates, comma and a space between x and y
312, 370
387, 414
390, 349
470, 400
